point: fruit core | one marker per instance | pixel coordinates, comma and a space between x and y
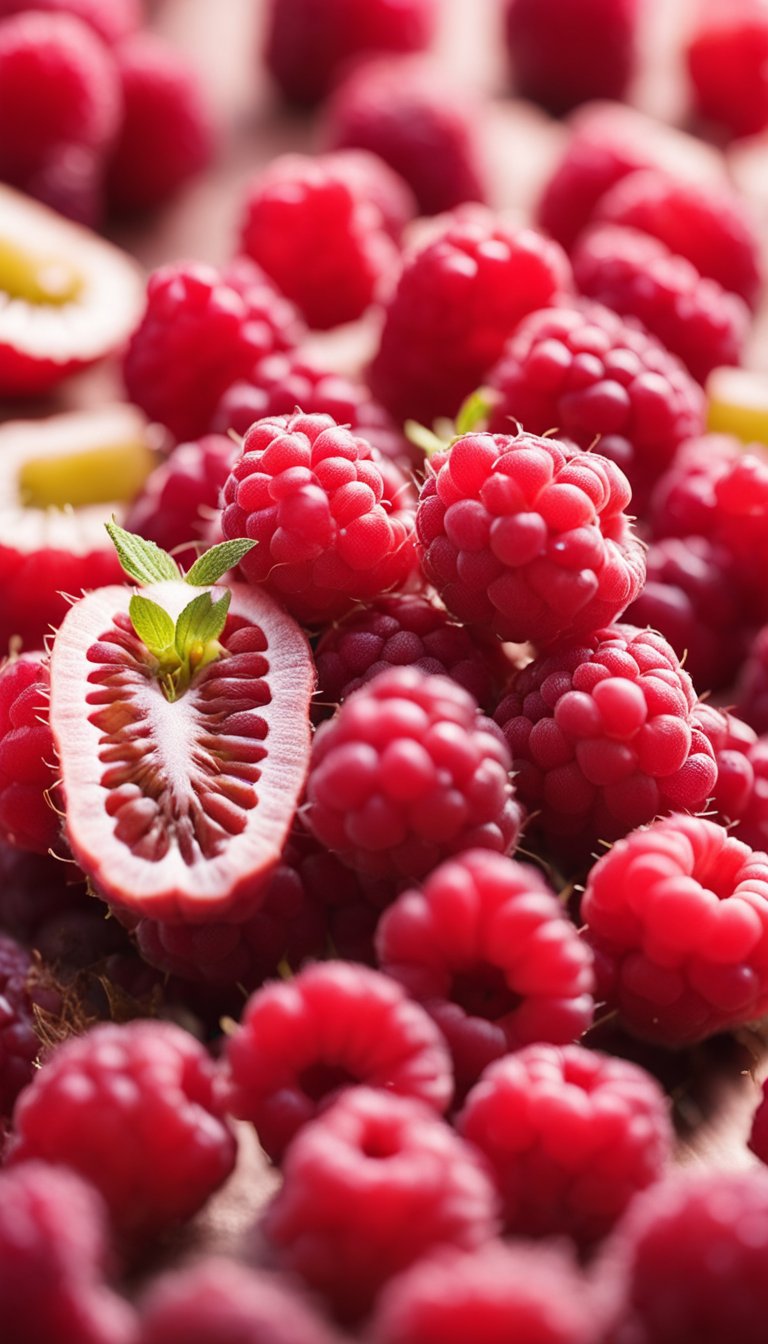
110, 473
38, 279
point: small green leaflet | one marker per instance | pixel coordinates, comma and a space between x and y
201, 622
210, 567
474, 411
152, 624
142, 560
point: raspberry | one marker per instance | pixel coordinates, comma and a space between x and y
201, 331
54, 1253
370, 1187
487, 948
571, 1136
603, 737
685, 500
19, 1042
35, 888
532, 1295
401, 109
690, 1257
281, 383
309, 41
162, 107
333, 1025
741, 789
592, 376
218, 1301
406, 773
112, 21
132, 1108
639, 277
726, 55
460, 295
527, 537
677, 914
407, 630
563, 54
27, 758
330, 533
711, 228
318, 232
752, 686
180, 501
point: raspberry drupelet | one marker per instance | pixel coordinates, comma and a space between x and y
740, 795
131, 1108
407, 773
603, 738
317, 499
179, 506
460, 295
528, 537
28, 771
596, 379
563, 54
336, 1024
486, 946
571, 1136
369, 1188
677, 915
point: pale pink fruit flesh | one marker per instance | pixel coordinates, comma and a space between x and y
178, 810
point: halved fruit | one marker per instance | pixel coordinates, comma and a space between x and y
178, 808
67, 297
61, 479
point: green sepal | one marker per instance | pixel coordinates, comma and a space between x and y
152, 624
142, 560
474, 411
423, 438
210, 567
200, 624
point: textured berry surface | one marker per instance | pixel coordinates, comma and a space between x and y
486, 946
19, 1041
180, 502
370, 1187
294, 1050
460, 295
528, 537
726, 55
571, 1136
330, 533
740, 796
564, 54
678, 917
752, 686
408, 772
27, 760
639, 277
83, 1110
595, 378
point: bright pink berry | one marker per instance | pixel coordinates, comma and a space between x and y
460, 295
563, 54
314, 226
112, 20
370, 1187
408, 772
329, 533
571, 1135
528, 537
179, 506
334, 1025
486, 946
132, 1108
677, 914
28, 770
639, 277
752, 686
726, 56
603, 738
201, 331
596, 379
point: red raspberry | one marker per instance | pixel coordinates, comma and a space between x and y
163, 108
19, 1042
402, 110
334, 1025
54, 1253
218, 1301
310, 41
35, 888
406, 773
527, 537
678, 916
712, 228
571, 1136
201, 331
180, 504
529, 1294
685, 501
752, 686
460, 295
318, 232
113, 20
27, 758
132, 1108
486, 946
690, 1258
283, 382
741, 790
639, 277
592, 376
603, 737
330, 533
563, 53
727, 55
369, 1187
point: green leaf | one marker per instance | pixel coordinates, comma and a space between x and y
201, 622
474, 411
209, 568
142, 560
423, 438
152, 623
